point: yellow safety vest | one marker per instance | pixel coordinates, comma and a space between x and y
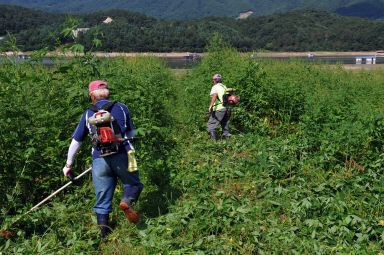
221, 89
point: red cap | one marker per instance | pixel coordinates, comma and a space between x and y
95, 85
217, 76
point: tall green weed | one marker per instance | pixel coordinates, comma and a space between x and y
42, 107
331, 111
302, 173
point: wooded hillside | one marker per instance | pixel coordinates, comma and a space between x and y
300, 30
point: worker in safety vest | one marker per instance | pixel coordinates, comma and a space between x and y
219, 113
113, 157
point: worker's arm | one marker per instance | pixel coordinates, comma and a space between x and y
213, 100
73, 149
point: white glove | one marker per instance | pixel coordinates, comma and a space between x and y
67, 169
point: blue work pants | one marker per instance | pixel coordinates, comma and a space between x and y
105, 172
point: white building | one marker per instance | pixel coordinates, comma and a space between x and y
368, 60
75, 33
108, 20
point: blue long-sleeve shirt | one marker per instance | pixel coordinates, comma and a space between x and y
121, 114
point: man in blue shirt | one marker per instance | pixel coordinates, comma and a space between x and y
106, 168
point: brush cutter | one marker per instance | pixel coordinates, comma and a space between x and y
8, 235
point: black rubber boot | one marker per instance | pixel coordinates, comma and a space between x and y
213, 135
102, 222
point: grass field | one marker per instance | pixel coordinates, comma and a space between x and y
302, 172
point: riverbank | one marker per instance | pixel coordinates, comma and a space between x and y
319, 54
183, 54
111, 54
177, 60
363, 67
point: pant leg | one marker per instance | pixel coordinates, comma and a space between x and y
131, 180
225, 122
104, 182
214, 121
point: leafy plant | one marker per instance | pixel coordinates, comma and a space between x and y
301, 173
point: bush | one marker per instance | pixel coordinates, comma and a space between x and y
43, 106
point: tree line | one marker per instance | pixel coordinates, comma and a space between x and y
300, 30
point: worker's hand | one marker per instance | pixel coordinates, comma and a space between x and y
67, 172
132, 164
210, 109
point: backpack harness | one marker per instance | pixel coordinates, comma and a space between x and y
229, 99
105, 131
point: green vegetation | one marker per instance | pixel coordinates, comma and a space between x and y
15, 19
302, 172
302, 30
191, 9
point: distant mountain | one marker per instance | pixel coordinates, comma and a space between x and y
190, 9
370, 10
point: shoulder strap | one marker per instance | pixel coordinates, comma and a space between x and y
107, 107
225, 89
93, 108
